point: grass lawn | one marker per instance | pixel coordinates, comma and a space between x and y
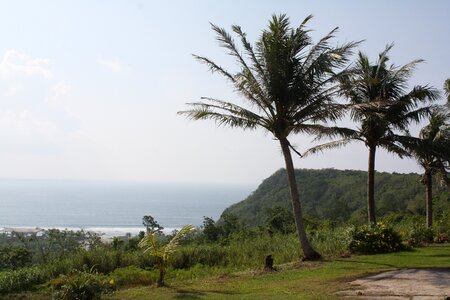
318, 280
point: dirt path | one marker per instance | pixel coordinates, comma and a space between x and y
416, 284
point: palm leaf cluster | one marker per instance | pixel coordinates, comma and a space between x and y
380, 104
286, 80
433, 149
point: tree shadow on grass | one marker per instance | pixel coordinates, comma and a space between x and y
437, 255
367, 262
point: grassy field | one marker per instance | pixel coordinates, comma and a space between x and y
298, 280
319, 280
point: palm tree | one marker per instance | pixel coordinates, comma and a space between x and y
381, 105
151, 244
288, 83
432, 152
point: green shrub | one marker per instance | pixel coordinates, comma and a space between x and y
442, 227
375, 238
21, 280
206, 254
81, 285
332, 241
13, 257
419, 235
131, 276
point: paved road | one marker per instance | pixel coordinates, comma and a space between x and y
415, 284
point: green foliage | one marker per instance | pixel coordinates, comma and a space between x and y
442, 226
21, 279
411, 228
150, 223
241, 250
131, 276
420, 235
375, 238
210, 231
279, 219
151, 244
13, 257
52, 244
332, 241
338, 195
81, 285
229, 224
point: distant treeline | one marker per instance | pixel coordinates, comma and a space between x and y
339, 195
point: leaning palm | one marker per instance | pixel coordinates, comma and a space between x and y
432, 152
288, 83
151, 244
382, 108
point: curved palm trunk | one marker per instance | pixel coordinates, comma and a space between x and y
371, 186
429, 197
308, 251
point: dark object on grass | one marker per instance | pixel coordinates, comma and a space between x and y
269, 263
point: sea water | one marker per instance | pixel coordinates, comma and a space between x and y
112, 208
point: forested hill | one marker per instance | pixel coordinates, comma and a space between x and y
336, 195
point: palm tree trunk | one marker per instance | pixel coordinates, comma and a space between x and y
371, 186
429, 197
162, 272
308, 251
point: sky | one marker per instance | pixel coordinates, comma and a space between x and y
90, 89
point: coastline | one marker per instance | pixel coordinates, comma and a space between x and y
105, 232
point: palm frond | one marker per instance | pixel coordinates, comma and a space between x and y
170, 247
327, 146
150, 243
394, 148
213, 67
224, 113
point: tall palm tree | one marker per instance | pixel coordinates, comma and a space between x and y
381, 106
288, 83
432, 152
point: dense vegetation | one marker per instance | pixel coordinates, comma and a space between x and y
94, 268
69, 265
339, 195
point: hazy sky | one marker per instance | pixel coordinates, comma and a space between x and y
90, 89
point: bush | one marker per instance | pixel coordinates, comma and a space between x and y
419, 235
21, 280
372, 239
331, 241
81, 285
442, 227
12, 257
207, 254
131, 276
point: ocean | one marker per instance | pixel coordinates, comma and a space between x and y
111, 208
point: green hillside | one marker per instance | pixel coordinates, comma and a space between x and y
337, 195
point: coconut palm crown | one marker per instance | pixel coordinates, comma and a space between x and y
382, 107
288, 84
432, 152
447, 89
